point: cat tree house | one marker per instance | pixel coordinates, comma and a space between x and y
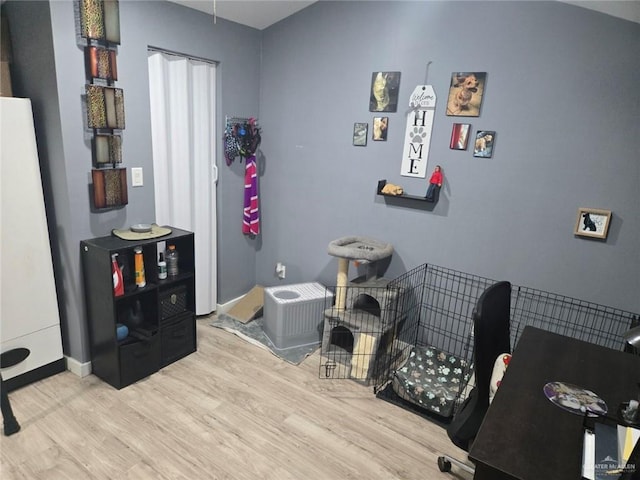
356, 327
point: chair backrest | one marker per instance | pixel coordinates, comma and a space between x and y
491, 327
632, 336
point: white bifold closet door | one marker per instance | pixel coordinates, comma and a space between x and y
183, 126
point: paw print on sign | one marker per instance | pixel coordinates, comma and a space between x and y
418, 135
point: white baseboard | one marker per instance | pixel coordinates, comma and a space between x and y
77, 368
225, 307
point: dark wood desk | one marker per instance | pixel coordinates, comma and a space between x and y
526, 437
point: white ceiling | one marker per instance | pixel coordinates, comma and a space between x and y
258, 14
261, 14
627, 9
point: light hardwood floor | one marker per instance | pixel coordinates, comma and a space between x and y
229, 411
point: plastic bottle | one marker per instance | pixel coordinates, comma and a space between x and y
162, 267
172, 261
139, 267
116, 271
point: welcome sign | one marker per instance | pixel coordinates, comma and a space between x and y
417, 137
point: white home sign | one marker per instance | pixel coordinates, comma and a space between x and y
417, 136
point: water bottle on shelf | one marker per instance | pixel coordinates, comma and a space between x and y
172, 261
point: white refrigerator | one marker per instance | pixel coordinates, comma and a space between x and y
29, 316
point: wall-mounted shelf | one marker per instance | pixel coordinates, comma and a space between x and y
404, 196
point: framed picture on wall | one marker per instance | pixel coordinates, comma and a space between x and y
109, 187
100, 20
483, 146
105, 107
107, 149
101, 63
459, 136
360, 134
380, 125
384, 89
592, 223
465, 94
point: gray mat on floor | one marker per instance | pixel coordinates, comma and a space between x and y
253, 333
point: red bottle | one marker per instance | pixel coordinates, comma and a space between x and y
118, 282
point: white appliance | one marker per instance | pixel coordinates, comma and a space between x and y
29, 316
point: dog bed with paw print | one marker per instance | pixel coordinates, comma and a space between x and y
432, 379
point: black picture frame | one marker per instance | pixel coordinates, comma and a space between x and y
460, 136
466, 93
383, 93
379, 130
360, 132
484, 143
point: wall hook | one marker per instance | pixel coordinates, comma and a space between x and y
426, 74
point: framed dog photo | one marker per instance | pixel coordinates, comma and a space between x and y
465, 94
459, 136
380, 125
360, 134
383, 95
592, 223
483, 146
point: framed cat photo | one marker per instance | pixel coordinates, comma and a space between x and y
360, 134
465, 94
592, 222
483, 146
383, 95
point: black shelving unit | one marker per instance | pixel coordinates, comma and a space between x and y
160, 316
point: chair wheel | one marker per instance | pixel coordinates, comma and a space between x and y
444, 465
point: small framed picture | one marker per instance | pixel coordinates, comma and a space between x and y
383, 95
459, 136
483, 146
465, 94
360, 134
592, 223
380, 125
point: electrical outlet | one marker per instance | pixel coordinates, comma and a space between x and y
136, 177
280, 270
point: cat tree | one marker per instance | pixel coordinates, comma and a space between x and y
364, 308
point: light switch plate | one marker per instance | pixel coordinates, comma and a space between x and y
136, 177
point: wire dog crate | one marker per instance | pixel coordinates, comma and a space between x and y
412, 337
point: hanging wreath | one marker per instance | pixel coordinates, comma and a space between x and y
241, 139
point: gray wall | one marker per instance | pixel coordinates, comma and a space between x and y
561, 93
43, 32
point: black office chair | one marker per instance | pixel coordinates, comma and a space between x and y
491, 328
